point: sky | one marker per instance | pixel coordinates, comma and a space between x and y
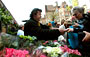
21, 9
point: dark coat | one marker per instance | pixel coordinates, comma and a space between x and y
86, 45
85, 21
42, 32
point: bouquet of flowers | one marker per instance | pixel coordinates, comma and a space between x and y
53, 51
10, 52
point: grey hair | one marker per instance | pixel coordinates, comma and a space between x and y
79, 9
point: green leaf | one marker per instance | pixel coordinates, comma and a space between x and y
74, 55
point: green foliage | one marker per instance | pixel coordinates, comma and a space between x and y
5, 16
28, 37
26, 41
74, 55
11, 41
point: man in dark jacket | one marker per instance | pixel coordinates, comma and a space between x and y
34, 28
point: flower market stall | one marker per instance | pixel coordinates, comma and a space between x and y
27, 46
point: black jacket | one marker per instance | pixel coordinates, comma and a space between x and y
42, 32
81, 35
86, 23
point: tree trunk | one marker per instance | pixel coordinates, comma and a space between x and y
6, 28
0, 26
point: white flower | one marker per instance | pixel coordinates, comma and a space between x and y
56, 43
57, 50
60, 38
53, 51
48, 49
44, 50
40, 47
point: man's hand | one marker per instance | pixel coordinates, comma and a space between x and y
62, 31
87, 36
70, 29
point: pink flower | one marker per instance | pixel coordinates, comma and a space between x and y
55, 41
46, 42
70, 51
77, 52
65, 46
10, 52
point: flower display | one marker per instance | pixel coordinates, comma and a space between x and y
51, 48
70, 51
10, 52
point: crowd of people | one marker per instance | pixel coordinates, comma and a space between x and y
34, 27
80, 28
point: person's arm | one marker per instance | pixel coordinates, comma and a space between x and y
44, 26
32, 28
45, 31
51, 32
84, 27
78, 27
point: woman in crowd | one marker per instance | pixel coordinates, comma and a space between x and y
83, 24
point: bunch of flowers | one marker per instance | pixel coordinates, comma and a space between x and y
70, 51
53, 51
10, 52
